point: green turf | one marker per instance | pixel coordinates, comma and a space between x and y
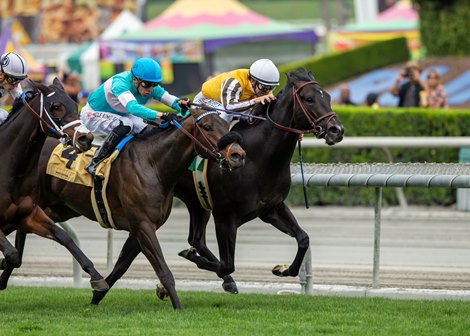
65, 311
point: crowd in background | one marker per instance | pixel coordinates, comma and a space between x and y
410, 89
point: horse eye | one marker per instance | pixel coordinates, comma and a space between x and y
207, 128
55, 107
310, 100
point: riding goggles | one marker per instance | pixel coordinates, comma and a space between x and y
264, 87
12, 79
147, 85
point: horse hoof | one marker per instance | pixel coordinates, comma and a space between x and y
185, 253
280, 270
162, 294
99, 285
97, 297
230, 287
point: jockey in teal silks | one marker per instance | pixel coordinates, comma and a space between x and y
116, 108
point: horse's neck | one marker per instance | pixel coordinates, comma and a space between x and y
272, 145
24, 139
171, 153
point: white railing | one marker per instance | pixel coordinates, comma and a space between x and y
351, 142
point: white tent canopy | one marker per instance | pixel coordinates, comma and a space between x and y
90, 58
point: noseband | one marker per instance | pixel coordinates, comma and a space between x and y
314, 121
51, 127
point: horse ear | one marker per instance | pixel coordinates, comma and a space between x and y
310, 74
289, 76
58, 83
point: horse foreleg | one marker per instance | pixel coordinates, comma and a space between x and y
9, 252
226, 233
129, 252
20, 239
150, 246
199, 253
283, 220
38, 222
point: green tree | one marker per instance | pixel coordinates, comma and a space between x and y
444, 27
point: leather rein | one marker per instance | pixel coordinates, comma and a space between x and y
212, 150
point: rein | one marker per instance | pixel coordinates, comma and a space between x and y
237, 114
212, 151
317, 130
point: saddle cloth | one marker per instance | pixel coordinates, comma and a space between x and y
199, 169
65, 163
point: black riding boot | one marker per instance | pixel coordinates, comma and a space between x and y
113, 138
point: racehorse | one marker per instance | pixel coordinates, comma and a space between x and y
47, 110
140, 187
260, 188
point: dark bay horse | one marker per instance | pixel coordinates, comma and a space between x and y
140, 188
45, 111
260, 188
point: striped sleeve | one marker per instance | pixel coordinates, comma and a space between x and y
230, 96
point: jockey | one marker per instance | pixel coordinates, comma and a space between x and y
13, 70
240, 89
116, 108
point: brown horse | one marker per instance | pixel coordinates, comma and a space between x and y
140, 188
47, 110
260, 188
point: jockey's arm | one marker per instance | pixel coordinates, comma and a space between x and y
17, 91
128, 100
230, 96
166, 98
142, 111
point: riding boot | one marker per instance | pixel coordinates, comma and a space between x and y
113, 138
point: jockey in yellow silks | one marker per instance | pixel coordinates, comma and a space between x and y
240, 89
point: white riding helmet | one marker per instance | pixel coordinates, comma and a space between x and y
265, 72
13, 65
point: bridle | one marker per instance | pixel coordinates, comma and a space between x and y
314, 121
48, 123
212, 150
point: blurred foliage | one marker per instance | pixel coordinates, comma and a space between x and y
444, 27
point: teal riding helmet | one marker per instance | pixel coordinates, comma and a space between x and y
147, 69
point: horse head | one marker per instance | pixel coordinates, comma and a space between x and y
311, 108
215, 140
58, 115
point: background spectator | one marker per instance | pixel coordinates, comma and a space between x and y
72, 84
435, 92
344, 98
408, 86
372, 100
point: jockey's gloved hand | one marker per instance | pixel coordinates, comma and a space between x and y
168, 117
183, 103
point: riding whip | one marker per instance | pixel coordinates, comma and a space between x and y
238, 114
302, 173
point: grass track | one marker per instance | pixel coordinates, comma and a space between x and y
65, 311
